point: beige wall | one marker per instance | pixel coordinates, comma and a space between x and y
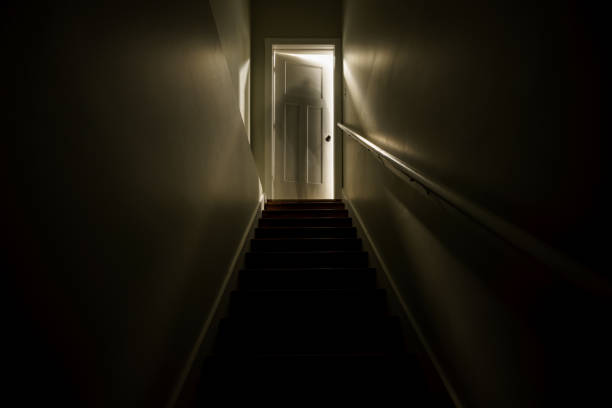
134, 183
496, 100
500, 102
283, 19
233, 20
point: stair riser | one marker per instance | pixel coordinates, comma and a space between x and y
307, 279
323, 339
304, 213
338, 369
304, 304
321, 232
305, 260
301, 311
305, 222
301, 206
339, 381
297, 245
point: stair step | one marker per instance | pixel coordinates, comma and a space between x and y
312, 303
304, 213
347, 335
310, 259
305, 244
307, 322
305, 232
305, 205
283, 380
303, 201
305, 222
321, 278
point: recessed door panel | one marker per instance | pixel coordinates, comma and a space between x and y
291, 141
314, 144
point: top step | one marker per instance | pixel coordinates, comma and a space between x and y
323, 205
304, 212
294, 204
296, 200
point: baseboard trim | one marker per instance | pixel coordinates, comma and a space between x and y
406, 309
195, 352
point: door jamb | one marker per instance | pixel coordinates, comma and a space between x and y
310, 43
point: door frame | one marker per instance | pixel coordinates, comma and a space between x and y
273, 44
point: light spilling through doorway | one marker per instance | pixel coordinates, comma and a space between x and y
302, 151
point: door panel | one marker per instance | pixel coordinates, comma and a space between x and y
314, 136
291, 136
303, 166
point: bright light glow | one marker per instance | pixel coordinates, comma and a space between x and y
357, 97
325, 59
244, 95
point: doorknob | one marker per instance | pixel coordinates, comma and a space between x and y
327, 138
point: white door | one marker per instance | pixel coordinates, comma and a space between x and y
303, 126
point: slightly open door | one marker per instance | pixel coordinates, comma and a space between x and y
303, 120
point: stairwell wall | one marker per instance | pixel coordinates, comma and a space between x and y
500, 102
131, 185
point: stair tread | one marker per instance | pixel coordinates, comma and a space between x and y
305, 244
323, 291
307, 278
310, 218
407, 356
305, 200
327, 269
282, 380
297, 231
308, 239
306, 258
405, 359
304, 227
371, 370
313, 217
364, 324
350, 319
316, 298
313, 209
335, 251
305, 221
305, 213
313, 325
319, 352
328, 206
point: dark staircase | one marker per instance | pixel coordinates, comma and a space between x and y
307, 322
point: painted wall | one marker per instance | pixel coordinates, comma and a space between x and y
500, 102
283, 19
132, 183
233, 19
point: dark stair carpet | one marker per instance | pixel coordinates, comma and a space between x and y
307, 322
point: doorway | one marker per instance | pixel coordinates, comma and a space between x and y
302, 107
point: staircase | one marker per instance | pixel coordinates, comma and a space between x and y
307, 320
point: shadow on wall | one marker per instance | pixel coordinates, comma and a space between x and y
496, 319
501, 102
133, 185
